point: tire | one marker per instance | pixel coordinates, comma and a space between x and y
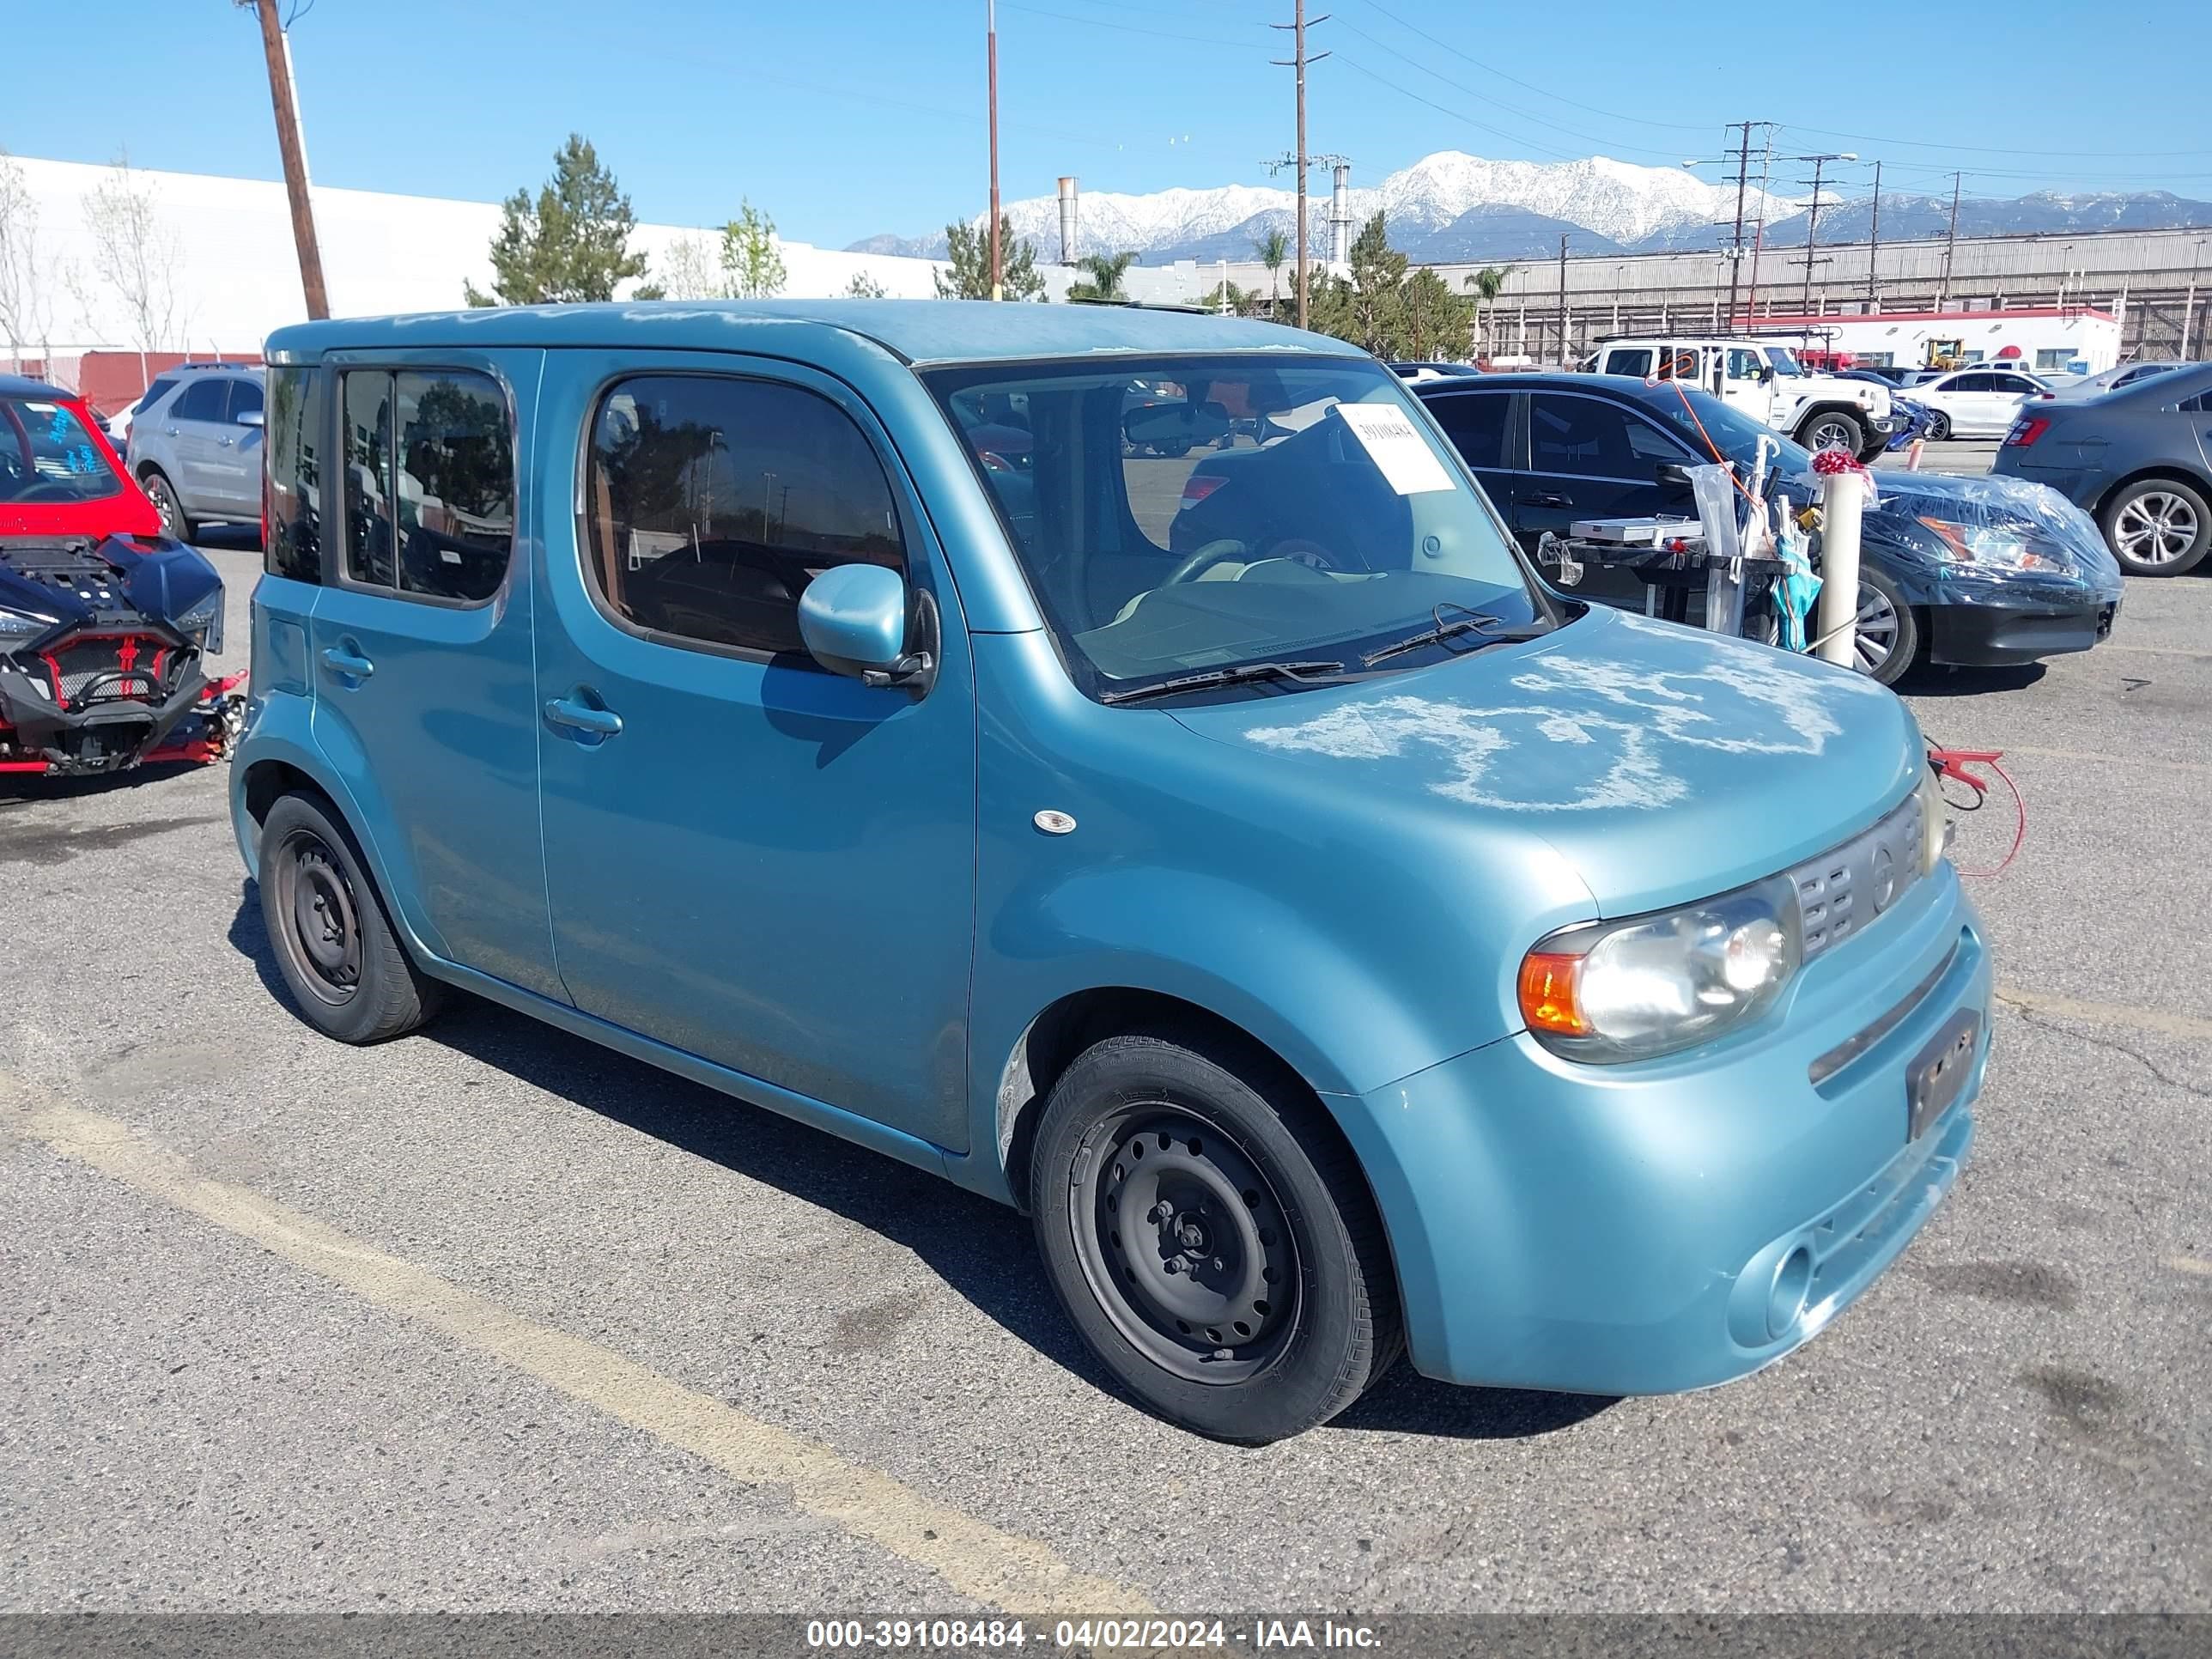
1939, 427
2157, 527
163, 495
1254, 1299
1888, 643
1836, 428
348, 975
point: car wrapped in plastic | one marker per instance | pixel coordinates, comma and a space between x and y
106, 624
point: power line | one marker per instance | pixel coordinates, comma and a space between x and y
1299, 61
1127, 28
1481, 126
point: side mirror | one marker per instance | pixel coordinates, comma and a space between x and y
248, 417
1676, 474
854, 620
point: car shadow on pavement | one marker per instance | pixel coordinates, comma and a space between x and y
1931, 682
20, 789
981, 1249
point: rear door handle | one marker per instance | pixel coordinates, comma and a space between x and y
1549, 500
582, 717
341, 661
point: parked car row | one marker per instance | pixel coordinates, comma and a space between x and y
1764, 381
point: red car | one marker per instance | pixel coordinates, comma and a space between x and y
105, 623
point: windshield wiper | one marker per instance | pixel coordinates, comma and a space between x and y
1239, 672
1473, 621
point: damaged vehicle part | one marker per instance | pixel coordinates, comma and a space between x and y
106, 624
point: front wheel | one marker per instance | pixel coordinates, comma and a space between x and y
163, 495
1888, 640
1211, 1238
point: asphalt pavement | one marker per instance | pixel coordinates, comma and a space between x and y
490, 1318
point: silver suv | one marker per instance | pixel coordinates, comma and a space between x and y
195, 447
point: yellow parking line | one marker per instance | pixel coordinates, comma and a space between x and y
2158, 650
2108, 1013
1017, 1574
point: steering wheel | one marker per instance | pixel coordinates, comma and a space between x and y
1204, 559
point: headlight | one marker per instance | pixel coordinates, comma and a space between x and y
1993, 547
21, 625
1627, 990
1934, 822
202, 620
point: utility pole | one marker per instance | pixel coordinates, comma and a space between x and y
1813, 216
2189, 304
1298, 60
1874, 244
1563, 301
1741, 179
1950, 242
288, 146
991, 40
1758, 239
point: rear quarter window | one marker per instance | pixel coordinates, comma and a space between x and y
298, 425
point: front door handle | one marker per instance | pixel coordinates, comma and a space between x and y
582, 717
352, 665
222, 443
1549, 500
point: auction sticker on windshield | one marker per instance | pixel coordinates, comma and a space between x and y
1407, 464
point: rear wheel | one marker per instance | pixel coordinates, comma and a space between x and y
341, 959
1211, 1238
2158, 527
1939, 427
1833, 429
163, 495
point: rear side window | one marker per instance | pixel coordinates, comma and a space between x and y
154, 394
429, 484
203, 400
293, 443
711, 502
1475, 422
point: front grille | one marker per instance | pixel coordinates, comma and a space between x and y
125, 666
1840, 893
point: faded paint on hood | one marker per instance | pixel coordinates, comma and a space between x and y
1664, 763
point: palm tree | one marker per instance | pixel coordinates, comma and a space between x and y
1273, 248
1105, 281
1484, 284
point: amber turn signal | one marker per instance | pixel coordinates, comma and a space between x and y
1550, 984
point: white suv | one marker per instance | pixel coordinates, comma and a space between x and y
1821, 411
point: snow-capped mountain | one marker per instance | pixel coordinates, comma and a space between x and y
1617, 202
1448, 207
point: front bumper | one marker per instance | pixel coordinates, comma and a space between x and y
1998, 635
1637, 1228
37, 735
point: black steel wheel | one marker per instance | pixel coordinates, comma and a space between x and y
323, 935
335, 945
1212, 1236
1186, 1247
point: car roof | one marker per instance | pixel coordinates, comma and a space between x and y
22, 386
1626, 385
919, 331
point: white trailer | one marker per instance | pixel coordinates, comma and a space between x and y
2042, 339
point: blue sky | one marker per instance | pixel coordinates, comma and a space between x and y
842, 117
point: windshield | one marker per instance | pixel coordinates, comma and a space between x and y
1734, 433
46, 456
1195, 514
1783, 361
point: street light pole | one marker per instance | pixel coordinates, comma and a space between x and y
2189, 304
991, 34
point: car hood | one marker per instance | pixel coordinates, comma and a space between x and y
1665, 764
75, 580
2055, 525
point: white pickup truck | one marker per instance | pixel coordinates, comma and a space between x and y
1821, 411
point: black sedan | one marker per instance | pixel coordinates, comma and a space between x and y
2140, 459
1967, 572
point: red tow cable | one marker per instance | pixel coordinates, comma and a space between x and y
1954, 763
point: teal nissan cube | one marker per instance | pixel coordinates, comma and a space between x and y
1340, 943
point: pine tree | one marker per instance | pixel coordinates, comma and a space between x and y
571, 244
968, 248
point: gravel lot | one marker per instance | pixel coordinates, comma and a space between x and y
488, 1318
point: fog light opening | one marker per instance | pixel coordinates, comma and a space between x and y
1785, 1302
